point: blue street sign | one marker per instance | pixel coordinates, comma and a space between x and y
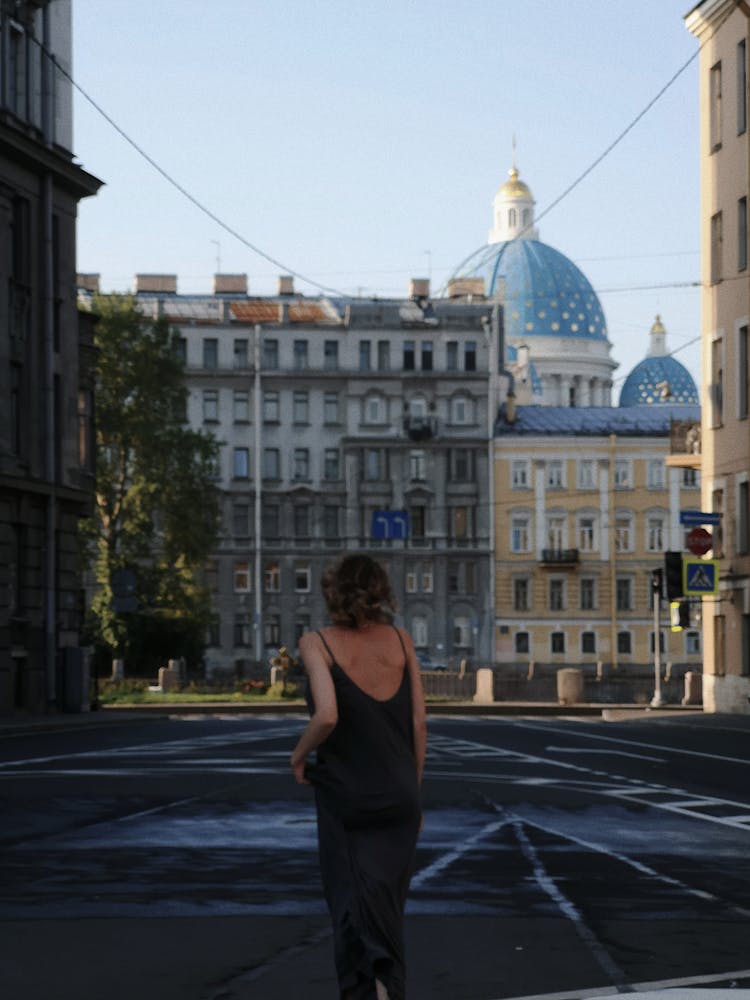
389, 524
699, 517
699, 577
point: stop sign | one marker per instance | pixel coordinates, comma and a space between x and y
699, 541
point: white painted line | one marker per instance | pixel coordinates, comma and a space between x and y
441, 863
611, 753
647, 990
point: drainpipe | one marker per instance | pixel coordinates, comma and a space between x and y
612, 555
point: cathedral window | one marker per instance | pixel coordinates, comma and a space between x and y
511, 216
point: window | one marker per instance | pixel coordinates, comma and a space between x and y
586, 474
210, 353
623, 532
717, 247
302, 578
451, 356
384, 355
417, 466
331, 464
241, 406
408, 356
241, 629
691, 479
742, 234
301, 407
301, 625
521, 594
269, 524
419, 631
652, 645
461, 631
462, 465
556, 595
716, 386
461, 577
271, 463
270, 360
743, 538
85, 413
301, 465
426, 356
210, 405
374, 410
410, 581
272, 578
520, 533
511, 217
240, 353
588, 593
300, 355
272, 630
557, 642
460, 523
213, 631
742, 373
522, 642
623, 474
418, 522
555, 474
461, 410
624, 643
587, 533
655, 532
241, 463
588, 642
302, 520
655, 474
270, 407
242, 577
692, 643
330, 408
519, 474
624, 593
717, 506
331, 522
470, 356
331, 355
556, 532
374, 459
714, 108
180, 346
240, 520
365, 362
741, 88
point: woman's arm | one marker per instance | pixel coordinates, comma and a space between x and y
326, 715
419, 714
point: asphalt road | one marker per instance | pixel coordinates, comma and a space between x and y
559, 858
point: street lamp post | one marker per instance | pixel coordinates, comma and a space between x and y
656, 587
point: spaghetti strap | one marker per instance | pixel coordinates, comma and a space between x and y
328, 648
403, 647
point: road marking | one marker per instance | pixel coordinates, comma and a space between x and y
665, 984
441, 863
612, 753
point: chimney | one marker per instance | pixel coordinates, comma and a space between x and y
461, 288
510, 408
286, 284
88, 283
230, 284
419, 288
156, 284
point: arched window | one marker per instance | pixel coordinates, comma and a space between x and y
526, 216
419, 631
374, 410
511, 216
461, 410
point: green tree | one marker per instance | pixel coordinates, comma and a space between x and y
157, 507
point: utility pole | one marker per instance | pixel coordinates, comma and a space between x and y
656, 587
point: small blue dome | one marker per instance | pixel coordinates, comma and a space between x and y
658, 379
545, 294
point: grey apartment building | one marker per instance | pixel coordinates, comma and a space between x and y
345, 424
46, 357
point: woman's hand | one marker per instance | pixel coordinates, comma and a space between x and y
298, 769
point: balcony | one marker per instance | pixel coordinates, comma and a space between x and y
420, 428
559, 557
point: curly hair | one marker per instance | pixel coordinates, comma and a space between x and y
357, 590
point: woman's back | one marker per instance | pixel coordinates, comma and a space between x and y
372, 657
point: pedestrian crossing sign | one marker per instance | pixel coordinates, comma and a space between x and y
699, 577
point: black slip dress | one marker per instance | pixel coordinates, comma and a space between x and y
368, 806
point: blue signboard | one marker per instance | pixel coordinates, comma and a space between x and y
700, 576
699, 517
389, 524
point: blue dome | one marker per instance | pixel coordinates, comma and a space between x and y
545, 294
658, 379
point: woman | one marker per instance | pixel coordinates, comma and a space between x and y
368, 726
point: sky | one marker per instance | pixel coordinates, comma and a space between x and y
359, 143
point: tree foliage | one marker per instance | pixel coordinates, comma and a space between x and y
157, 507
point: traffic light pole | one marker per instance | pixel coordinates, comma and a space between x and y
656, 582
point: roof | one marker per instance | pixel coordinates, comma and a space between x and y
594, 421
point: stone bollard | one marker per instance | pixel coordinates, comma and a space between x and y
118, 670
569, 685
484, 694
693, 688
169, 678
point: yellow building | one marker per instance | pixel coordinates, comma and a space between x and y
585, 509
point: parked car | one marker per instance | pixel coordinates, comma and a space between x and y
427, 663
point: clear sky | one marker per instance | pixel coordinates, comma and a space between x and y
360, 143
